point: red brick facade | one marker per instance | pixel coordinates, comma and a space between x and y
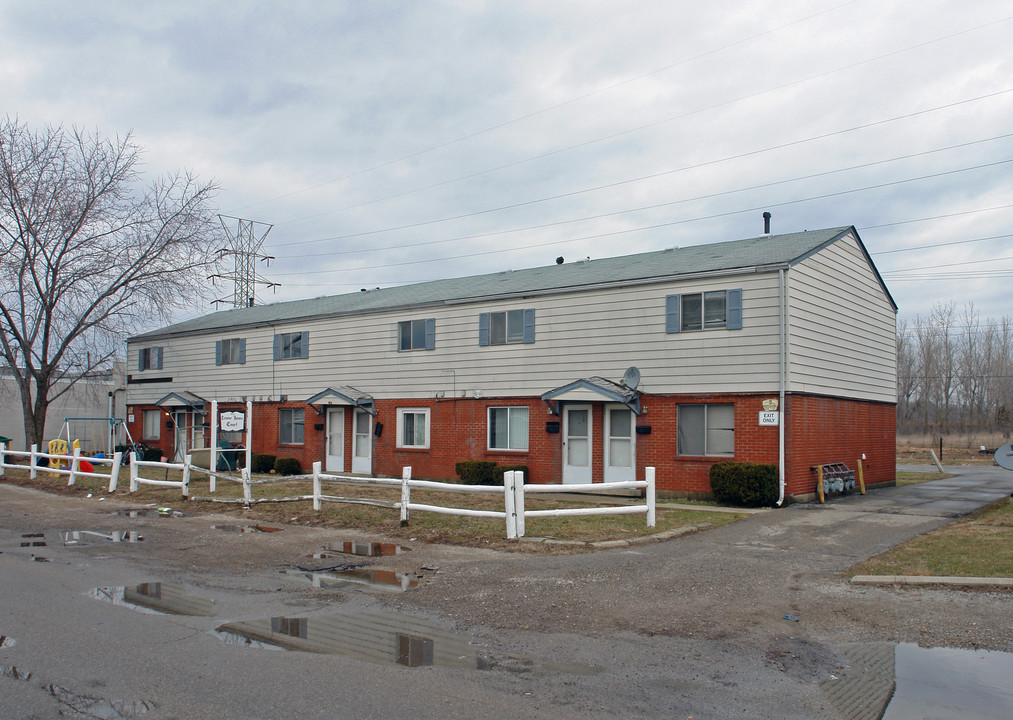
819, 430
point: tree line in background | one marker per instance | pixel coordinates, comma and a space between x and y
955, 373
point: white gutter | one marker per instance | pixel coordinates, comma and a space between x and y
782, 281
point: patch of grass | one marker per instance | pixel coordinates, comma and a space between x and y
385, 521
913, 478
980, 545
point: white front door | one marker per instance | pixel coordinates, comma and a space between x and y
362, 443
578, 443
620, 444
335, 440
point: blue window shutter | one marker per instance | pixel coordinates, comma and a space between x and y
430, 333
672, 313
483, 328
218, 352
734, 310
242, 350
140, 360
158, 358
529, 325
277, 347
305, 344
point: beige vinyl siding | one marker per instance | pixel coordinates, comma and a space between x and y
577, 334
842, 327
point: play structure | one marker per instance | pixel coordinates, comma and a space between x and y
95, 435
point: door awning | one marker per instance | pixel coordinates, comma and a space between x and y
342, 395
183, 399
593, 389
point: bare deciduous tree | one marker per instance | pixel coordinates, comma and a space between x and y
88, 254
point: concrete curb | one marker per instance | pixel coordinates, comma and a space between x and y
931, 580
613, 544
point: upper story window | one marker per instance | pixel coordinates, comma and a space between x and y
291, 345
712, 310
507, 327
417, 334
230, 352
149, 358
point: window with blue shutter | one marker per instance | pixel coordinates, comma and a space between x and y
711, 310
507, 327
149, 358
230, 352
289, 346
417, 334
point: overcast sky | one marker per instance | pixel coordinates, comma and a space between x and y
397, 142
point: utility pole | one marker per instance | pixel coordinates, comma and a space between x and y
245, 248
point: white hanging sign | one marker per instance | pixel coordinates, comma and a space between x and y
233, 421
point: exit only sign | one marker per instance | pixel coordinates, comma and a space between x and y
770, 417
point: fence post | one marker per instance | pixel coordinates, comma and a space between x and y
213, 452
316, 485
186, 475
508, 504
247, 495
3, 449
114, 472
75, 463
34, 472
406, 475
133, 471
651, 500
519, 501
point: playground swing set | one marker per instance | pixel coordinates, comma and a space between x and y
64, 446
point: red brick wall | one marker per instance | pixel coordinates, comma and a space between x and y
826, 430
819, 430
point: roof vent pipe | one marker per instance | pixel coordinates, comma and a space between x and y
766, 223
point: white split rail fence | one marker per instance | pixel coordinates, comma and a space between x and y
136, 480
513, 491
73, 469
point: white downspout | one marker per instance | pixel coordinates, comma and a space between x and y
783, 381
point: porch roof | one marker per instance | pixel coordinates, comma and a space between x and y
593, 389
342, 395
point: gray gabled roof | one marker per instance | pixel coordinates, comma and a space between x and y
766, 252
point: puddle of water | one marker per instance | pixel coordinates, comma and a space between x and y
87, 537
362, 549
34, 543
376, 578
895, 682
6, 642
946, 682
245, 529
157, 597
147, 512
383, 638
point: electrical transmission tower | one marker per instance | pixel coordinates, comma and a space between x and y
245, 247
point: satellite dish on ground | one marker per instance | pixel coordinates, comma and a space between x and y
631, 378
1004, 456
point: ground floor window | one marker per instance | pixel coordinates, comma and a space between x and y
152, 425
508, 428
290, 426
706, 429
413, 427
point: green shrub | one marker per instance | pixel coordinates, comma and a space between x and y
286, 466
503, 469
746, 484
262, 463
477, 472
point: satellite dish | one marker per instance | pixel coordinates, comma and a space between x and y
1004, 456
631, 378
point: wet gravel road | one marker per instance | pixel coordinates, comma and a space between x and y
739, 621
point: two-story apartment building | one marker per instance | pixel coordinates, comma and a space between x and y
777, 349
